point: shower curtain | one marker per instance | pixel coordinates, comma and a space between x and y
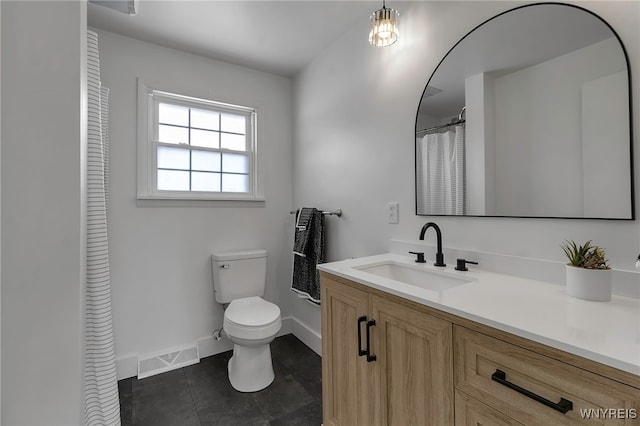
102, 406
440, 171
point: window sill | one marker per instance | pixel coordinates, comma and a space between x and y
178, 201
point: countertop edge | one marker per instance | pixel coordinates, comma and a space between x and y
535, 337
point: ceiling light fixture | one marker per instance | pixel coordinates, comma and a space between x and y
384, 27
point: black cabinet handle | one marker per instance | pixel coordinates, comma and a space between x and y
361, 352
563, 406
370, 356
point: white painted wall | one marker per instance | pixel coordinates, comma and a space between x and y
0, 213
160, 252
43, 218
425, 121
540, 107
480, 147
355, 110
605, 125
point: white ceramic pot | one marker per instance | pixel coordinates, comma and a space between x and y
589, 284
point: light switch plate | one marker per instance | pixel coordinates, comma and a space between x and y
394, 212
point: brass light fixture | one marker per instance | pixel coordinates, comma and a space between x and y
384, 27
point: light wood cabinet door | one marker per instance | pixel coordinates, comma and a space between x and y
414, 365
347, 379
410, 381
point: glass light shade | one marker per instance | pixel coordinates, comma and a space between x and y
384, 27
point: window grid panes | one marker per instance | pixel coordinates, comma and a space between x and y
198, 127
201, 150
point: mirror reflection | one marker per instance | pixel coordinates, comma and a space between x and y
528, 116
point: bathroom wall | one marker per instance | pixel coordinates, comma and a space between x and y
530, 91
0, 217
354, 116
43, 226
160, 252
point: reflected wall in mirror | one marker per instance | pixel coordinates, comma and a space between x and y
528, 115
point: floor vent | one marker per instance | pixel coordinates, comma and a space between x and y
169, 361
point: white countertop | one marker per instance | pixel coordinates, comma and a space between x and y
606, 332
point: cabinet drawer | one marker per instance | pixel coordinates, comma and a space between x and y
471, 412
533, 389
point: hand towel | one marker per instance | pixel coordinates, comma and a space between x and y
309, 251
304, 217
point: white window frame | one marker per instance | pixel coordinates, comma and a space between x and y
148, 99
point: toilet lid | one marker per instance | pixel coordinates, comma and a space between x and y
252, 311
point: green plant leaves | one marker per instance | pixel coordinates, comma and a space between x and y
585, 256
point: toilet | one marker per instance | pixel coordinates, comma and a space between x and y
250, 322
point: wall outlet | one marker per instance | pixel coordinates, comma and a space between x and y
394, 212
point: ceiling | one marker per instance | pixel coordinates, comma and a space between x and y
279, 37
512, 41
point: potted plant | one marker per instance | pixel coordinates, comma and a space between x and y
588, 273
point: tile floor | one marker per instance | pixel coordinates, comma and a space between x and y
200, 394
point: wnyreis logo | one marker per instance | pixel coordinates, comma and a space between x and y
608, 413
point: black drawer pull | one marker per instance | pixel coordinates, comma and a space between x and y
370, 356
563, 406
361, 352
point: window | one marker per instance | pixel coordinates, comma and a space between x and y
196, 149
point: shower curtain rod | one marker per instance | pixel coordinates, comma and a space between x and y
337, 212
459, 120
442, 126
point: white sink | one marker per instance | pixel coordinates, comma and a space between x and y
414, 275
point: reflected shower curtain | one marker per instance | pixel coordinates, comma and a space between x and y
440, 172
102, 406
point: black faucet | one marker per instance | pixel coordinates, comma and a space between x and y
439, 255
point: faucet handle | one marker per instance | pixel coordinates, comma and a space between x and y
461, 264
420, 256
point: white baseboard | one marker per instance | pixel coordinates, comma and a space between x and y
286, 326
127, 366
308, 336
208, 346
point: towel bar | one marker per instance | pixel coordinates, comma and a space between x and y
337, 212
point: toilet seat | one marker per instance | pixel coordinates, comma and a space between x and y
252, 318
252, 311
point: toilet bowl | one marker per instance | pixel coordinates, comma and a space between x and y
251, 323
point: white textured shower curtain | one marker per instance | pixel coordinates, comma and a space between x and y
102, 406
440, 172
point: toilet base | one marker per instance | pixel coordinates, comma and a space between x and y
250, 368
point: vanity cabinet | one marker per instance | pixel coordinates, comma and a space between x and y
535, 389
383, 363
390, 361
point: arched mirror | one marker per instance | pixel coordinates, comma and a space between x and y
528, 115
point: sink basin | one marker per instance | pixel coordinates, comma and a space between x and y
414, 275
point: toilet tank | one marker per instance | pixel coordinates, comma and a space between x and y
238, 274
